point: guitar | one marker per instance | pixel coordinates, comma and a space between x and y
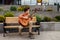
25, 21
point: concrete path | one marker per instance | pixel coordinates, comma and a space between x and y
45, 35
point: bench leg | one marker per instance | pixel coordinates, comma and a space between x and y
4, 32
38, 31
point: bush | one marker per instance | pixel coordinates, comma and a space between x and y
9, 14
25, 6
38, 18
13, 8
49, 9
1, 9
2, 18
54, 19
21, 8
58, 18
47, 19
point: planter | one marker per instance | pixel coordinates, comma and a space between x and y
1, 27
57, 26
50, 26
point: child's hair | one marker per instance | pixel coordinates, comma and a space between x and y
25, 9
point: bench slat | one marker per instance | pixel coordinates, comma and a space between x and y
11, 20
18, 26
11, 27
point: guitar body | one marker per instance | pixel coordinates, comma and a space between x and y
24, 22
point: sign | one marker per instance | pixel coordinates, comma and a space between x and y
39, 1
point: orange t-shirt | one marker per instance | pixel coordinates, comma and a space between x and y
24, 15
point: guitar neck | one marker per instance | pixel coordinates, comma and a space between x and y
33, 14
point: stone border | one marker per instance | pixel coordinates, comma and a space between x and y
50, 26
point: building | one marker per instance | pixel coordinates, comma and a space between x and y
8, 2
20, 2
28, 2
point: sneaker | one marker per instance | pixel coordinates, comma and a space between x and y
31, 36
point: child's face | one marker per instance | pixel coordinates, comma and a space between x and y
27, 11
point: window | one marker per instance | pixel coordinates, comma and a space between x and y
22, 2
58, 1
25, 2
28, 2
44, 2
51, 2
18, 2
33, 2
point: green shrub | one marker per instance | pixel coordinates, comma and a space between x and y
54, 19
25, 6
13, 8
21, 8
1, 9
58, 18
38, 18
49, 9
47, 19
9, 14
2, 18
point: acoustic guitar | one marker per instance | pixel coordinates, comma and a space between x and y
25, 21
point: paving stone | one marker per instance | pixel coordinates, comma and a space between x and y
45, 35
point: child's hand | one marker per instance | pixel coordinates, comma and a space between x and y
25, 17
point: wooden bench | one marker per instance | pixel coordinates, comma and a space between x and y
12, 22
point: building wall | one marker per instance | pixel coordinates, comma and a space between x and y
33, 2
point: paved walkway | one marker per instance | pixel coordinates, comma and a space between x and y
49, 35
